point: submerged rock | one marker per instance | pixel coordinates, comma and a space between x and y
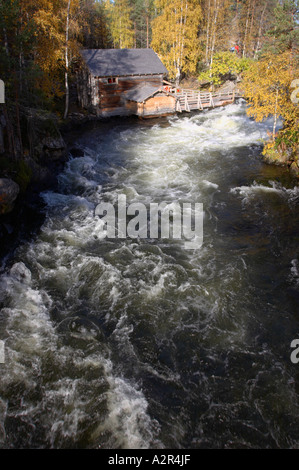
9, 191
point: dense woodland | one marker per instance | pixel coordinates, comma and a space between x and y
40, 44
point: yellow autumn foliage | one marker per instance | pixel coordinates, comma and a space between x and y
267, 88
50, 20
121, 26
175, 35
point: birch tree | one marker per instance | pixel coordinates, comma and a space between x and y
217, 27
175, 35
66, 54
260, 29
254, 18
267, 87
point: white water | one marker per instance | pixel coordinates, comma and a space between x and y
138, 344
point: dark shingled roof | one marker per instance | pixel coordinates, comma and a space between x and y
142, 93
122, 62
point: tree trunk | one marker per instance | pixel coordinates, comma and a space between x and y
177, 77
147, 31
260, 31
10, 133
275, 116
246, 31
252, 23
184, 32
5, 41
18, 120
214, 33
208, 34
176, 48
67, 91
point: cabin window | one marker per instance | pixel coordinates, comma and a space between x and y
110, 80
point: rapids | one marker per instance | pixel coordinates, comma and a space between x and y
140, 343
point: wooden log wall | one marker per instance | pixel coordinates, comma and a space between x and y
111, 95
158, 105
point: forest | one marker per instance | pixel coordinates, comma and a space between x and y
40, 53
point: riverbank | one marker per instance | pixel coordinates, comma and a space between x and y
283, 157
51, 146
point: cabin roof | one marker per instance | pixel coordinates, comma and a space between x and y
142, 93
123, 62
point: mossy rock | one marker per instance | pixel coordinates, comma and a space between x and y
23, 176
45, 140
9, 191
276, 156
18, 170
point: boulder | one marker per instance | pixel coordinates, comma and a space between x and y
278, 156
46, 142
228, 86
9, 191
54, 147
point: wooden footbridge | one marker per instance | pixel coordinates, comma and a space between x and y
192, 100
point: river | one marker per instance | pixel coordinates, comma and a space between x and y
142, 343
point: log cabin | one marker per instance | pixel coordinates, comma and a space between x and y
117, 82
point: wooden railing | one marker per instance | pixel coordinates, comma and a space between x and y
189, 100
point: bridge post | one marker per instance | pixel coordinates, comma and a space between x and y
186, 103
199, 103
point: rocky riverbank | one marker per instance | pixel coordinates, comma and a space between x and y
32, 168
47, 144
283, 157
